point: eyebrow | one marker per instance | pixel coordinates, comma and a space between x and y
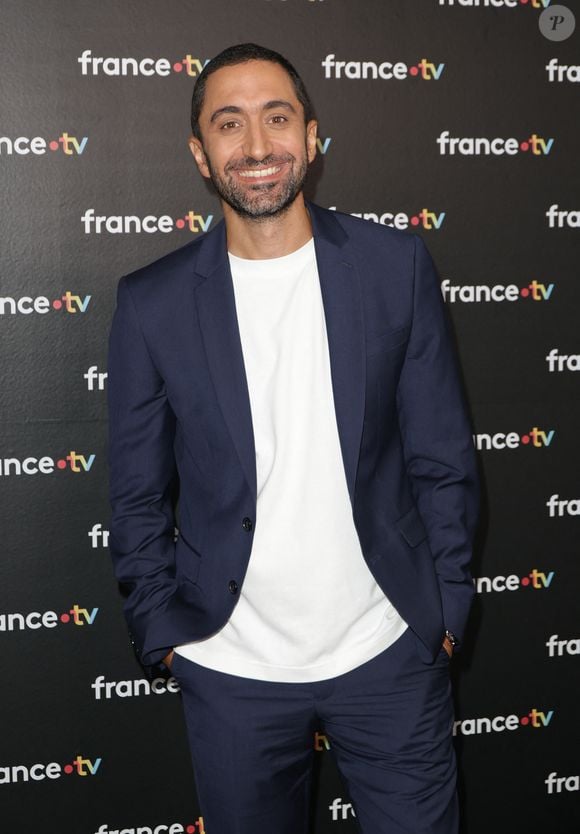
269, 105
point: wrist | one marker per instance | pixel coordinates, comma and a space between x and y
450, 641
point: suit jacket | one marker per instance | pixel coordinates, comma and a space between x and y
180, 417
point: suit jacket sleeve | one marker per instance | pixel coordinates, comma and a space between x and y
142, 474
437, 442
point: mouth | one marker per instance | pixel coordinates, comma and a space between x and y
259, 173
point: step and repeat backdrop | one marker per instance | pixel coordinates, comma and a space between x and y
454, 119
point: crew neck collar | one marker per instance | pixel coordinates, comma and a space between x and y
272, 261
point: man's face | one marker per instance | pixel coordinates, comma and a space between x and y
255, 146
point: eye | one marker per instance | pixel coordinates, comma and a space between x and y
278, 120
229, 125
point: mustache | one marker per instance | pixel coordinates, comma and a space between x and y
251, 162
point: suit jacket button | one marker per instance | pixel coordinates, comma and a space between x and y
233, 586
247, 523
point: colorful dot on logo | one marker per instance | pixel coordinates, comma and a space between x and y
68, 768
57, 303
525, 439
524, 720
525, 580
53, 145
180, 223
414, 220
177, 66
65, 618
524, 146
413, 70
190, 829
524, 292
61, 464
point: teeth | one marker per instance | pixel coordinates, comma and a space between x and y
264, 172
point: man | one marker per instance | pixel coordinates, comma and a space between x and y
292, 371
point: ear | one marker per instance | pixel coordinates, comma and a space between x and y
196, 148
311, 134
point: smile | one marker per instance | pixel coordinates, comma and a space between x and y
264, 172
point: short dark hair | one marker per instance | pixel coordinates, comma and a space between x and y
241, 53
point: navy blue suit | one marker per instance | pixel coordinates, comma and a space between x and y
180, 418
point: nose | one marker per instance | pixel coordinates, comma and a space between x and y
257, 143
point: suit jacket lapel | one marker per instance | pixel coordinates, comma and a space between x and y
221, 336
343, 310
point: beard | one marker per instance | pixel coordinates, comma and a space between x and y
260, 201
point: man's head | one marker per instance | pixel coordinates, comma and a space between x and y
240, 54
253, 130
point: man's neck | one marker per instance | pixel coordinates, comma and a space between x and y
269, 237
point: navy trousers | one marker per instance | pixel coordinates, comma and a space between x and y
389, 724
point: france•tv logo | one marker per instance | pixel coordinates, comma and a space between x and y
106, 690
535, 579
46, 465
535, 438
196, 827
560, 362
425, 218
386, 70
477, 293
10, 774
97, 534
562, 506
321, 742
495, 4
557, 784
562, 218
535, 718
119, 224
23, 145
95, 379
558, 648
69, 302
498, 146
562, 72
340, 810
34, 620
115, 66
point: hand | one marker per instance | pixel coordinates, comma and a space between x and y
168, 659
448, 646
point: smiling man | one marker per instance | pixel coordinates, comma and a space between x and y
292, 374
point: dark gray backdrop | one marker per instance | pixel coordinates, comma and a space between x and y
119, 760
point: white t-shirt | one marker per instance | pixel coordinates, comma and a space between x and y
309, 608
